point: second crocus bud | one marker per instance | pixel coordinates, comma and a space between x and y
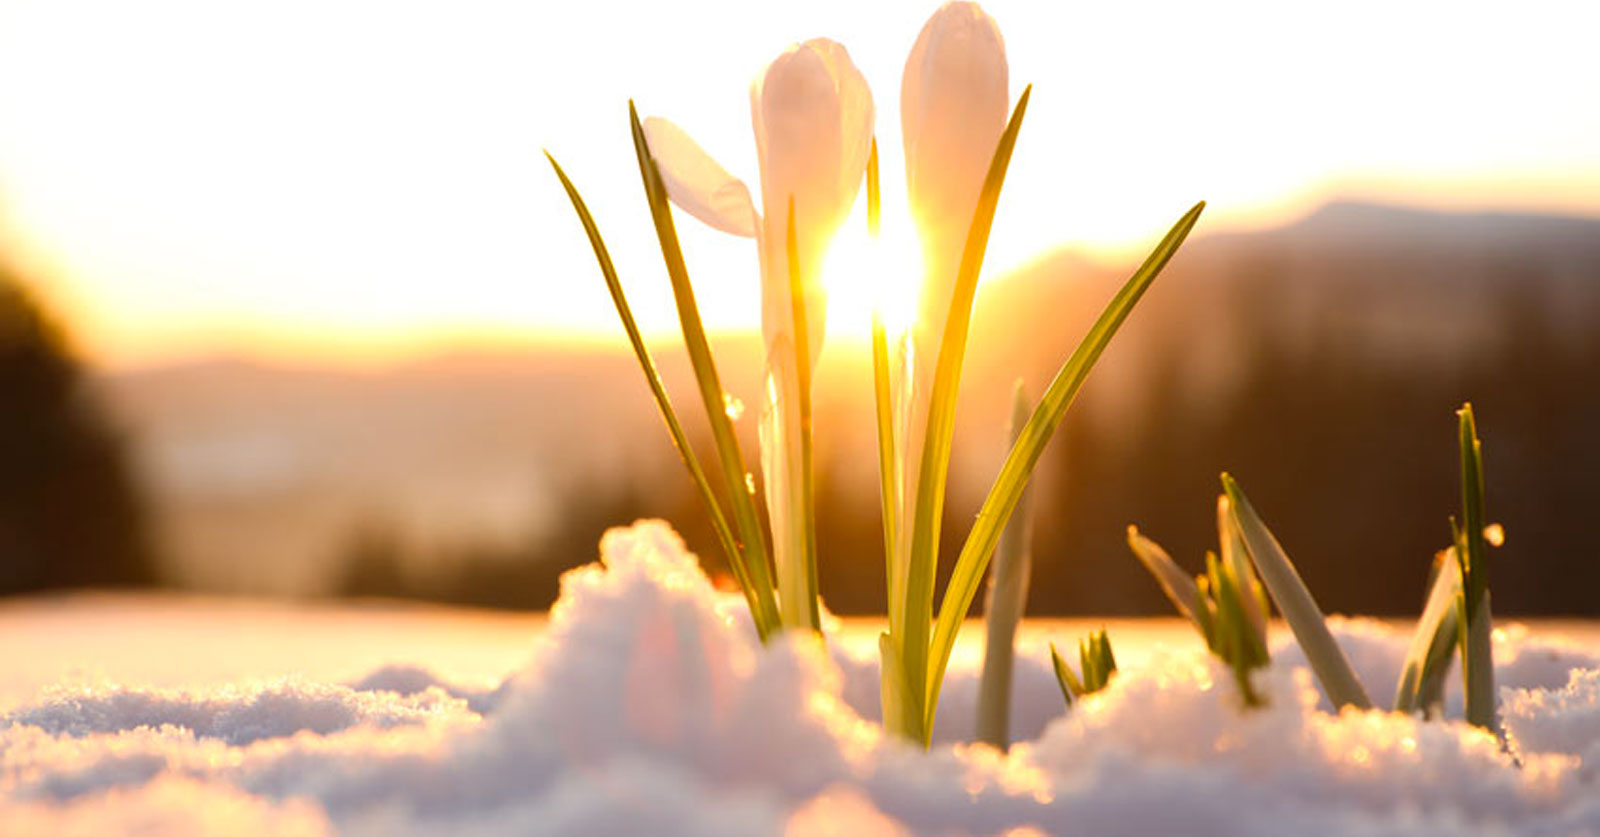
954, 100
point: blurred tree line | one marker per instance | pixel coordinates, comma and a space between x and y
1350, 455
70, 515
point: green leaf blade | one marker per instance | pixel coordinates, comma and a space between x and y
1294, 601
1174, 582
1432, 642
1007, 600
1052, 408
752, 539
680, 441
935, 458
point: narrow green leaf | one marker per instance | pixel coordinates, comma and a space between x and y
680, 441
891, 683
1477, 659
800, 610
935, 460
1205, 610
1008, 598
1237, 564
1477, 665
752, 540
1009, 484
874, 203
1432, 642
888, 471
1475, 578
1294, 601
1108, 660
1251, 644
883, 403
1177, 584
1070, 687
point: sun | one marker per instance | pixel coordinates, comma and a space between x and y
864, 274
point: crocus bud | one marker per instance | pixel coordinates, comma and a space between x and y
953, 107
812, 114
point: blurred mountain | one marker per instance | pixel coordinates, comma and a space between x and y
1319, 361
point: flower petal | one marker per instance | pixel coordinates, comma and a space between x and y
698, 183
855, 118
795, 111
953, 107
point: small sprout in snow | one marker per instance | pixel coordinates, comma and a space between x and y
1095, 661
1226, 604
1421, 686
1472, 600
1282, 582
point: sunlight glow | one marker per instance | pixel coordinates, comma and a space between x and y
184, 189
863, 275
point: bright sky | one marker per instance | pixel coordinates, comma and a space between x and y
362, 180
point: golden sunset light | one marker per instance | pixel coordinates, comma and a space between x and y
808, 418
363, 180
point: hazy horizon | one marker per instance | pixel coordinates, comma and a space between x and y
359, 181
364, 354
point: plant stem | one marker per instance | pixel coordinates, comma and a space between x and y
1008, 597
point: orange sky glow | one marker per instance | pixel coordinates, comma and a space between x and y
357, 182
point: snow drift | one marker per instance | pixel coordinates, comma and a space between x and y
648, 706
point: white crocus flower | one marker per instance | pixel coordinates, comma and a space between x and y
812, 114
954, 102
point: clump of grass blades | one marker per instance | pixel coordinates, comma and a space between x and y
1455, 616
1226, 604
916, 650
1095, 661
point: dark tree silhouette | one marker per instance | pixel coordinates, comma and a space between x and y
69, 514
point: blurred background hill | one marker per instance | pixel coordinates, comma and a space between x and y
1319, 361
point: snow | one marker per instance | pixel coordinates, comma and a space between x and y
646, 705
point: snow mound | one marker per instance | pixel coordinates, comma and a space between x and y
236, 715
1564, 720
648, 706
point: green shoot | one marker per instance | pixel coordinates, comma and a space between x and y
888, 467
1008, 597
1177, 584
1095, 661
915, 436
1231, 633
1226, 604
1008, 486
752, 539
797, 564
1236, 559
917, 610
680, 441
1070, 684
1288, 591
1421, 686
1477, 662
